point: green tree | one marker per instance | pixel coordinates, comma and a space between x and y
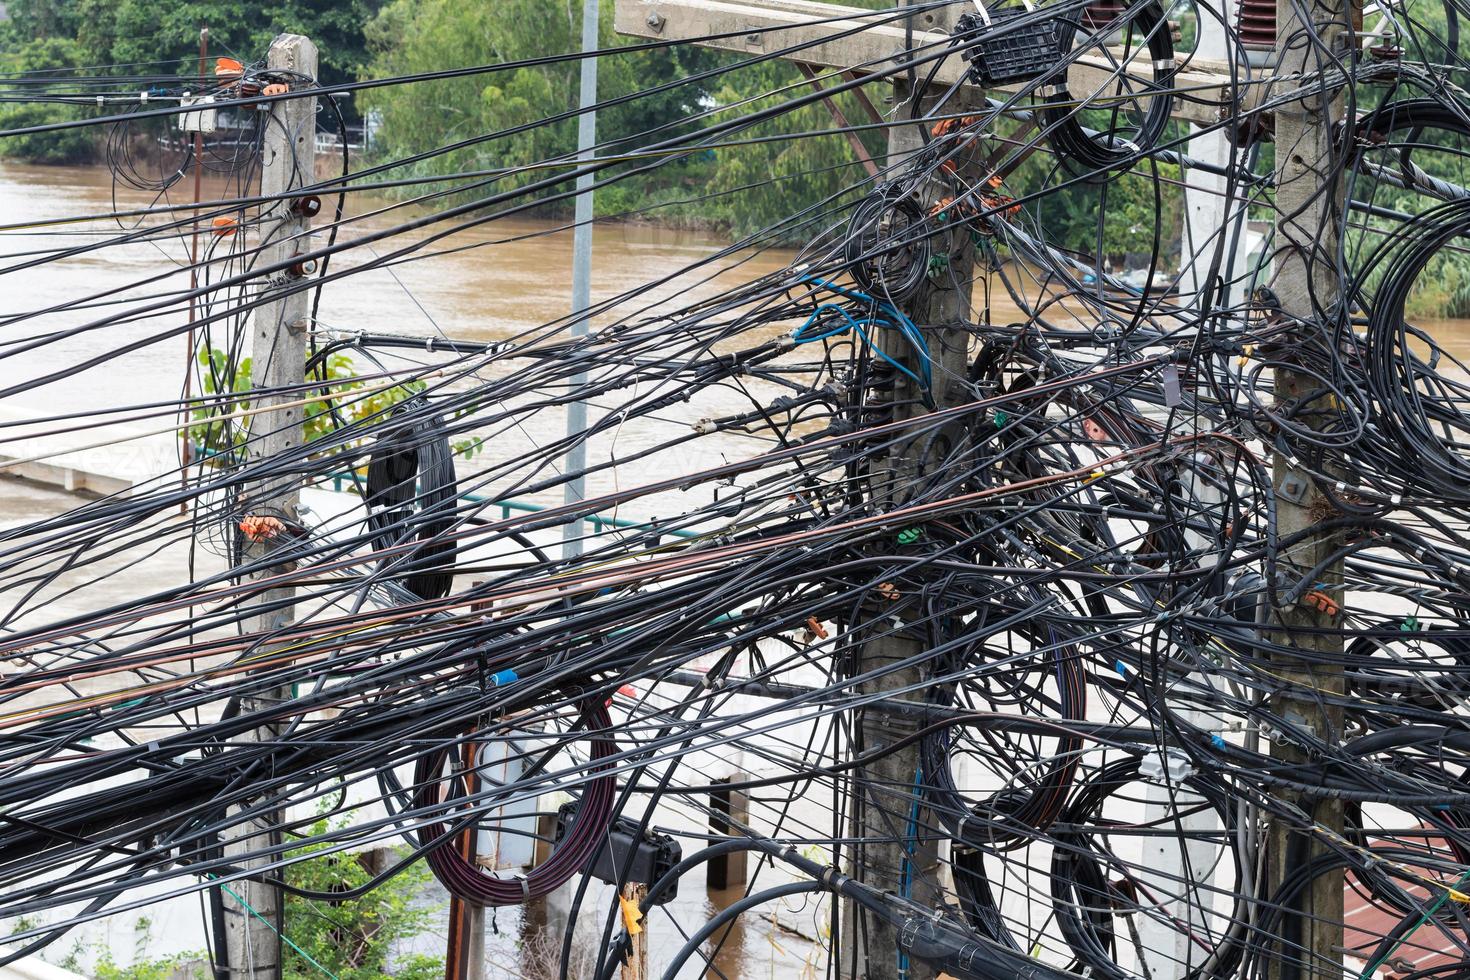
1130, 213
41, 57
355, 939
141, 31
138, 38
414, 36
767, 182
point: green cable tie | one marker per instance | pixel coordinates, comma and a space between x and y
1424, 917
284, 938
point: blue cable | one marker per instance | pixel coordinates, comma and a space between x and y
910, 847
887, 316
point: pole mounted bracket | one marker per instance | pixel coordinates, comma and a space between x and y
1293, 488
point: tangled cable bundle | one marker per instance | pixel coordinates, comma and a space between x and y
987, 540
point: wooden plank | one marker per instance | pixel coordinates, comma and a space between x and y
756, 27
840, 118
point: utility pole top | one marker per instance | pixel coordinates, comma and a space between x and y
867, 40
293, 52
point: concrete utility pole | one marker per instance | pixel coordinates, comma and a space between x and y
1208, 213
576, 489
253, 909
885, 797
1305, 282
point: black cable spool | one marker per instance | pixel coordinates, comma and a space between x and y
888, 245
1083, 895
1010, 818
1106, 154
410, 498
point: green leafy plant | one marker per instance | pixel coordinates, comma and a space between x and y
355, 939
173, 967
214, 432
352, 402
343, 400
163, 968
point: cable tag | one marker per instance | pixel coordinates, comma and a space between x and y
631, 916
1172, 395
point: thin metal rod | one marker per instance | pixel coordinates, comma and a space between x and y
853, 139
186, 448
576, 458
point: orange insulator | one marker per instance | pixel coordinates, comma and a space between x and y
228, 68
261, 528
1322, 602
225, 226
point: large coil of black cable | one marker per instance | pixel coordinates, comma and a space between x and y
888, 245
586, 834
1421, 425
410, 500
1115, 148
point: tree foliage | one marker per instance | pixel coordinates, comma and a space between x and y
356, 939
41, 56
137, 39
411, 36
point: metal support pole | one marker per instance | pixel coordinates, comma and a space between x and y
854, 140
253, 909
464, 957
728, 809
576, 458
186, 448
1308, 231
883, 806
